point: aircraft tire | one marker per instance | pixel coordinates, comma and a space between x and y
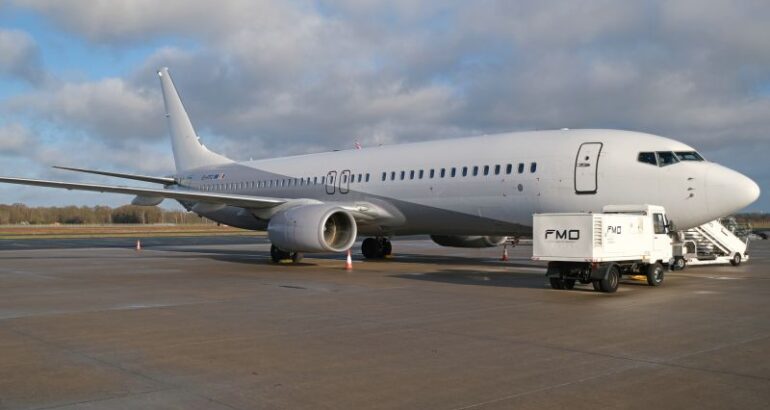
371, 248
297, 257
278, 255
387, 247
655, 274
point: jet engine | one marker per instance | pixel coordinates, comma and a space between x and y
313, 228
469, 241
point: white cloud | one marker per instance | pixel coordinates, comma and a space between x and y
108, 109
20, 56
15, 139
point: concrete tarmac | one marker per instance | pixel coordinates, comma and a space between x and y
208, 323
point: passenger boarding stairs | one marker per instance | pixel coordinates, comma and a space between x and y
712, 242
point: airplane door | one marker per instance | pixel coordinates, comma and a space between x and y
345, 181
587, 167
331, 180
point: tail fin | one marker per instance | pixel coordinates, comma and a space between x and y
189, 153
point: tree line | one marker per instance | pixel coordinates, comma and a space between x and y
128, 214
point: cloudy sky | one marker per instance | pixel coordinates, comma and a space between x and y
270, 78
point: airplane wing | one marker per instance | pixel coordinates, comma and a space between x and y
145, 178
243, 201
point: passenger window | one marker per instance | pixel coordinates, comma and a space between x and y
453, 172
384, 175
533, 167
393, 175
509, 169
521, 168
323, 180
403, 175
475, 171
660, 223
420, 174
443, 172
465, 171
666, 158
647, 158
367, 177
432, 173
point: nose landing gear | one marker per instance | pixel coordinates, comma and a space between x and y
376, 248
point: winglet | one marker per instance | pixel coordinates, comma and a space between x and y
189, 153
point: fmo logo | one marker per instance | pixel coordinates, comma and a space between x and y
563, 234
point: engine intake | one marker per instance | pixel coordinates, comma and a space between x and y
468, 241
313, 228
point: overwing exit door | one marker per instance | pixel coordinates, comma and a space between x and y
587, 168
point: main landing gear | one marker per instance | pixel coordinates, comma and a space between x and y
376, 248
278, 255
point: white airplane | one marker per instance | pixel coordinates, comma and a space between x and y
466, 192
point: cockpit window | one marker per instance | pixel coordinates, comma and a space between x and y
688, 156
666, 158
648, 158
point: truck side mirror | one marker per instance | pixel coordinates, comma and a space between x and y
671, 227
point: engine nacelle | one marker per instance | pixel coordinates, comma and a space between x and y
313, 228
468, 241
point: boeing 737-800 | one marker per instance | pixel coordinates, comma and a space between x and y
467, 192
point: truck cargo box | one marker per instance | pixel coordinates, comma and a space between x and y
595, 237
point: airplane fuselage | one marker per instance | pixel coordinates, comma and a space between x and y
485, 185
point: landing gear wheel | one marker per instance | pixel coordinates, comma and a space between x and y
610, 283
370, 248
736, 260
655, 273
556, 283
569, 284
387, 247
679, 263
376, 248
277, 255
297, 257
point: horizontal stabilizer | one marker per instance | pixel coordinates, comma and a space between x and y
145, 178
242, 201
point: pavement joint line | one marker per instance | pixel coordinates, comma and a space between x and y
88, 357
662, 363
103, 399
551, 387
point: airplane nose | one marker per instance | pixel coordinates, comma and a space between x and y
729, 191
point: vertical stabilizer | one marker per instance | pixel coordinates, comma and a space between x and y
189, 153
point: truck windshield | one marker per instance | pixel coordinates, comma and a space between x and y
688, 156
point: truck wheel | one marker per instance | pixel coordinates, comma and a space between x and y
736, 260
556, 283
679, 263
569, 284
655, 274
610, 283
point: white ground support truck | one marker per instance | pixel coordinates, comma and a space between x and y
599, 248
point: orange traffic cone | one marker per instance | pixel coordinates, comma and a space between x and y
505, 253
138, 245
349, 262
